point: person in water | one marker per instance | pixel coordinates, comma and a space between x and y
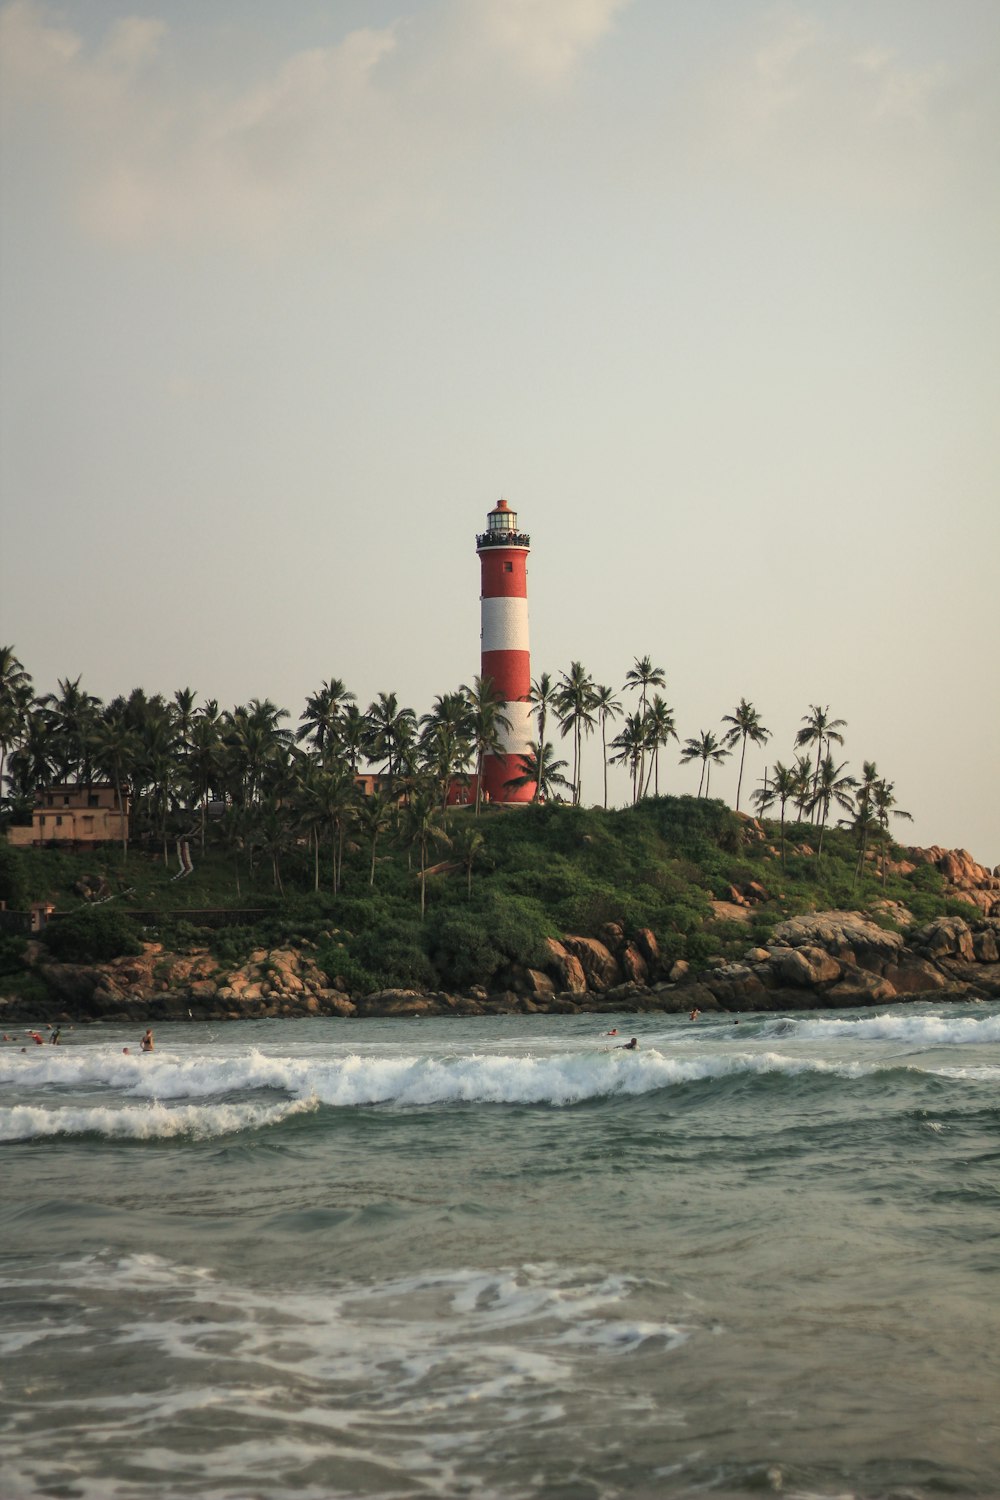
612, 1032
694, 1014
146, 1045
54, 1038
630, 1046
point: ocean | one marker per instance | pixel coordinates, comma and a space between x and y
502, 1258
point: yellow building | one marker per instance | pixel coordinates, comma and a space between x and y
79, 814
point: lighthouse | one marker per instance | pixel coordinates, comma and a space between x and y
506, 660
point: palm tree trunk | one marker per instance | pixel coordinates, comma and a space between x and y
739, 783
604, 752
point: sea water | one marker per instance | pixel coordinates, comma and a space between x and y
503, 1258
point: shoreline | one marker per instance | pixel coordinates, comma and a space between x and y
834, 960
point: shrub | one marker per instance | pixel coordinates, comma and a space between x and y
92, 935
13, 881
12, 946
460, 949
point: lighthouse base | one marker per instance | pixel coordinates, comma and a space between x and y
497, 771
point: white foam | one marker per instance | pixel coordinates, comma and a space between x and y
407, 1373
893, 1026
405, 1080
148, 1122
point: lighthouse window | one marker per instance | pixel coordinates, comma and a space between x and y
508, 567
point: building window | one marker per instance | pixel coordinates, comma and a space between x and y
41, 821
508, 567
51, 800
65, 802
93, 800
58, 821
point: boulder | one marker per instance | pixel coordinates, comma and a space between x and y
946, 937
804, 967
915, 976
859, 987
536, 983
984, 946
734, 986
567, 967
599, 965
645, 941
845, 935
633, 965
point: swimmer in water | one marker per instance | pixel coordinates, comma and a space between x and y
612, 1032
631, 1046
146, 1044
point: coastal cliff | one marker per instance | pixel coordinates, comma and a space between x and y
930, 928
828, 959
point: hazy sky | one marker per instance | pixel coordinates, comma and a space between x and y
291, 295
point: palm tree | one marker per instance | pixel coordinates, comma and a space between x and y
31, 763
709, 751
273, 834
255, 740
863, 823
630, 742
15, 697
803, 774
745, 725
157, 773
327, 797
642, 674
659, 728
543, 696
374, 814
820, 730
116, 749
390, 733
782, 787
204, 764
606, 706
885, 808
832, 786
445, 744
489, 724
468, 844
421, 828
71, 715
184, 715
353, 730
575, 706
546, 774
319, 722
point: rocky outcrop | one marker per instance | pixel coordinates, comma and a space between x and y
966, 880
833, 958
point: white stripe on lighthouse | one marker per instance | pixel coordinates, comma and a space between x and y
520, 738
505, 624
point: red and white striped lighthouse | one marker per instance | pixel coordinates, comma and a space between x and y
506, 660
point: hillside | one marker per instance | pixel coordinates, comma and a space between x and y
699, 882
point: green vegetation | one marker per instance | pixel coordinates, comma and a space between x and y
507, 881
244, 834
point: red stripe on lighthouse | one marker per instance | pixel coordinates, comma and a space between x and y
506, 659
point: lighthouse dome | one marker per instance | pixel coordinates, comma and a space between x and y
502, 518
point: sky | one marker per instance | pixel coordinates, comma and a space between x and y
290, 296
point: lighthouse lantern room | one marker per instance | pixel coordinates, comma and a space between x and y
506, 660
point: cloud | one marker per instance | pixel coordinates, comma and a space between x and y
545, 38
801, 106
347, 138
